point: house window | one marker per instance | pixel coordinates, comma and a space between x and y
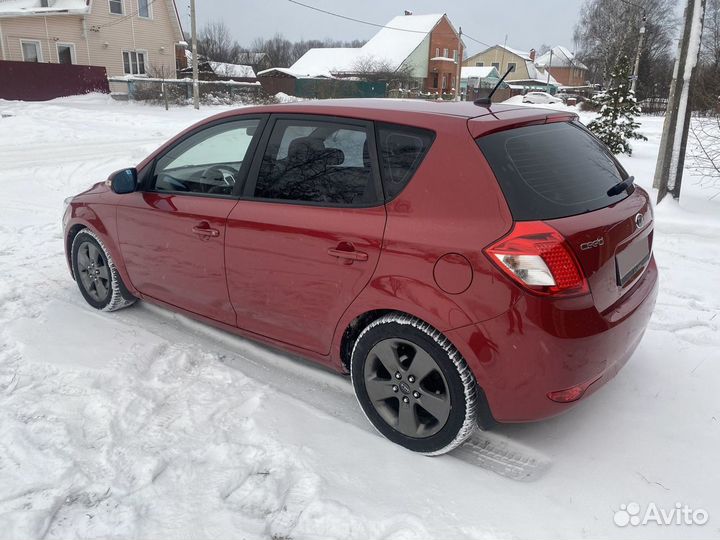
479, 64
437, 51
444, 81
455, 55
66, 53
116, 7
496, 65
435, 80
144, 8
445, 53
31, 51
134, 62
512, 66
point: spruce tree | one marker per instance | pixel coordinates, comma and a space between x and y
616, 124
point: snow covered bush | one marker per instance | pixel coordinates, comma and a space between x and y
616, 124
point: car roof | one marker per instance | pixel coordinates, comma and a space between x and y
387, 109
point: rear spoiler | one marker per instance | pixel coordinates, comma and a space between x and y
513, 118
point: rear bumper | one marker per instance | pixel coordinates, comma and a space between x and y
541, 346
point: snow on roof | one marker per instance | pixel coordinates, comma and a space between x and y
19, 8
480, 72
443, 59
561, 57
324, 60
391, 46
400, 37
523, 54
297, 75
232, 70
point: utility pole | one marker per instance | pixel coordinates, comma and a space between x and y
547, 68
671, 158
633, 86
459, 62
193, 31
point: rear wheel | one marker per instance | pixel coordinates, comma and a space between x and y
96, 275
413, 385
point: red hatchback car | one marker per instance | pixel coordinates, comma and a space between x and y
465, 264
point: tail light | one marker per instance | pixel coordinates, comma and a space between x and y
537, 257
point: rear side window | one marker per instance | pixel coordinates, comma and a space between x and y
401, 149
317, 162
552, 170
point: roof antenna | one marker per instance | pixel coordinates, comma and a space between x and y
488, 100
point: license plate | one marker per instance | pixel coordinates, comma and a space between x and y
632, 260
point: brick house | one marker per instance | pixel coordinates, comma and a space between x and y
127, 37
563, 66
424, 48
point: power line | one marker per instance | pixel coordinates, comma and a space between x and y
356, 20
126, 17
376, 24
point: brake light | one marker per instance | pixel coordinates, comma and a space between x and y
537, 257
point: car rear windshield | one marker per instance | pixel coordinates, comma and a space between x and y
552, 170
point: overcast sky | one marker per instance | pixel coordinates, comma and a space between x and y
541, 21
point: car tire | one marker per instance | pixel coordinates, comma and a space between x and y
96, 275
413, 385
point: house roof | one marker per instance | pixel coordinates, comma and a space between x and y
323, 61
232, 70
479, 72
391, 46
522, 54
19, 8
561, 57
290, 73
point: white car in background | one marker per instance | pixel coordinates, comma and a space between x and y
540, 97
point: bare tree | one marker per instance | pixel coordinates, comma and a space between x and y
609, 29
706, 86
215, 43
705, 152
370, 68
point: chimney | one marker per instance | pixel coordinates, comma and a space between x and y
408, 12
532, 54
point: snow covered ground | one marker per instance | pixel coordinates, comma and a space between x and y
142, 424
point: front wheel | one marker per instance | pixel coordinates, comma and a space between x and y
96, 275
413, 385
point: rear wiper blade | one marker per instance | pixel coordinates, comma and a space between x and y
620, 187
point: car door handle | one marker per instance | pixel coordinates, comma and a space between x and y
351, 254
204, 229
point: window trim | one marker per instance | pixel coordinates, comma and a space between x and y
150, 10
146, 183
73, 57
122, 8
251, 180
38, 45
146, 62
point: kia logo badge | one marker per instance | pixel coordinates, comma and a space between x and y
639, 221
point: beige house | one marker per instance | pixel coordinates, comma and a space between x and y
524, 70
127, 37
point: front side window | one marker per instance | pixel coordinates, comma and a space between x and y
512, 66
116, 7
401, 149
31, 51
480, 64
134, 62
496, 65
317, 162
208, 162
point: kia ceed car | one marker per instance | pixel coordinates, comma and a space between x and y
464, 264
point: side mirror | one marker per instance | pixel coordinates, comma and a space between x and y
124, 181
